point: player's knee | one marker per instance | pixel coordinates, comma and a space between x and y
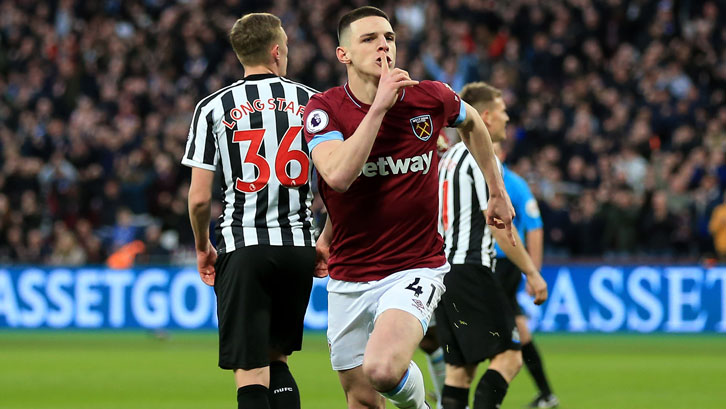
365, 401
508, 363
525, 336
460, 376
513, 361
429, 344
516, 361
381, 374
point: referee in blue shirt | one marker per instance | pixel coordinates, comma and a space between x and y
529, 226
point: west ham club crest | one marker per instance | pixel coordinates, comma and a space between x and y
422, 126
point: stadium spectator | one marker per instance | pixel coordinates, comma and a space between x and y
37, 249
657, 226
125, 231
96, 253
154, 251
621, 216
717, 227
585, 235
66, 250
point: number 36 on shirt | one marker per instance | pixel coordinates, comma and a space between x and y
283, 156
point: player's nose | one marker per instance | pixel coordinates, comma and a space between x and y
383, 44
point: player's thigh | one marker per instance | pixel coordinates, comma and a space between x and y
394, 339
479, 320
359, 393
289, 286
405, 308
243, 309
350, 322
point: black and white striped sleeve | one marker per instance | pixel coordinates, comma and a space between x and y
202, 150
480, 184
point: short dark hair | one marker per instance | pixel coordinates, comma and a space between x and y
253, 35
479, 94
357, 14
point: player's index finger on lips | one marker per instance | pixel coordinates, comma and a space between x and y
384, 61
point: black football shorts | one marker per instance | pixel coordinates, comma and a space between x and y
262, 294
509, 276
474, 319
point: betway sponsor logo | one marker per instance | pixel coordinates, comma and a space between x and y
386, 165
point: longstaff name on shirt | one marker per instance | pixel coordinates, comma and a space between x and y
418, 163
272, 104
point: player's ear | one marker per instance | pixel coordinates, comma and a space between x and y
342, 55
485, 116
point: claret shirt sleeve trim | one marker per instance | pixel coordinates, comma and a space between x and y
330, 136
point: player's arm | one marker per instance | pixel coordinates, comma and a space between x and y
534, 240
340, 162
476, 137
322, 249
326, 235
537, 287
200, 204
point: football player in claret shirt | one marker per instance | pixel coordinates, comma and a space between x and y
373, 142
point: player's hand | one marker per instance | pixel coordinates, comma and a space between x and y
441, 144
322, 253
205, 263
537, 288
389, 85
500, 213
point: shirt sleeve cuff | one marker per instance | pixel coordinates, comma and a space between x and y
194, 164
462, 113
330, 136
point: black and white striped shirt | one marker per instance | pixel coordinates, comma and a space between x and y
253, 127
463, 197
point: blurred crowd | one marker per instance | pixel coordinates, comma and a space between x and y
618, 114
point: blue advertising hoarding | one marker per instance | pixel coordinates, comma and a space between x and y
687, 299
683, 299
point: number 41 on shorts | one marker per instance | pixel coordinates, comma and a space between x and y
418, 290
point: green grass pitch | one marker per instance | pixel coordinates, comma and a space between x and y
109, 370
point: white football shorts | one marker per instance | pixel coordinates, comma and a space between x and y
353, 308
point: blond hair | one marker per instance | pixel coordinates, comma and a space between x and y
480, 95
252, 36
